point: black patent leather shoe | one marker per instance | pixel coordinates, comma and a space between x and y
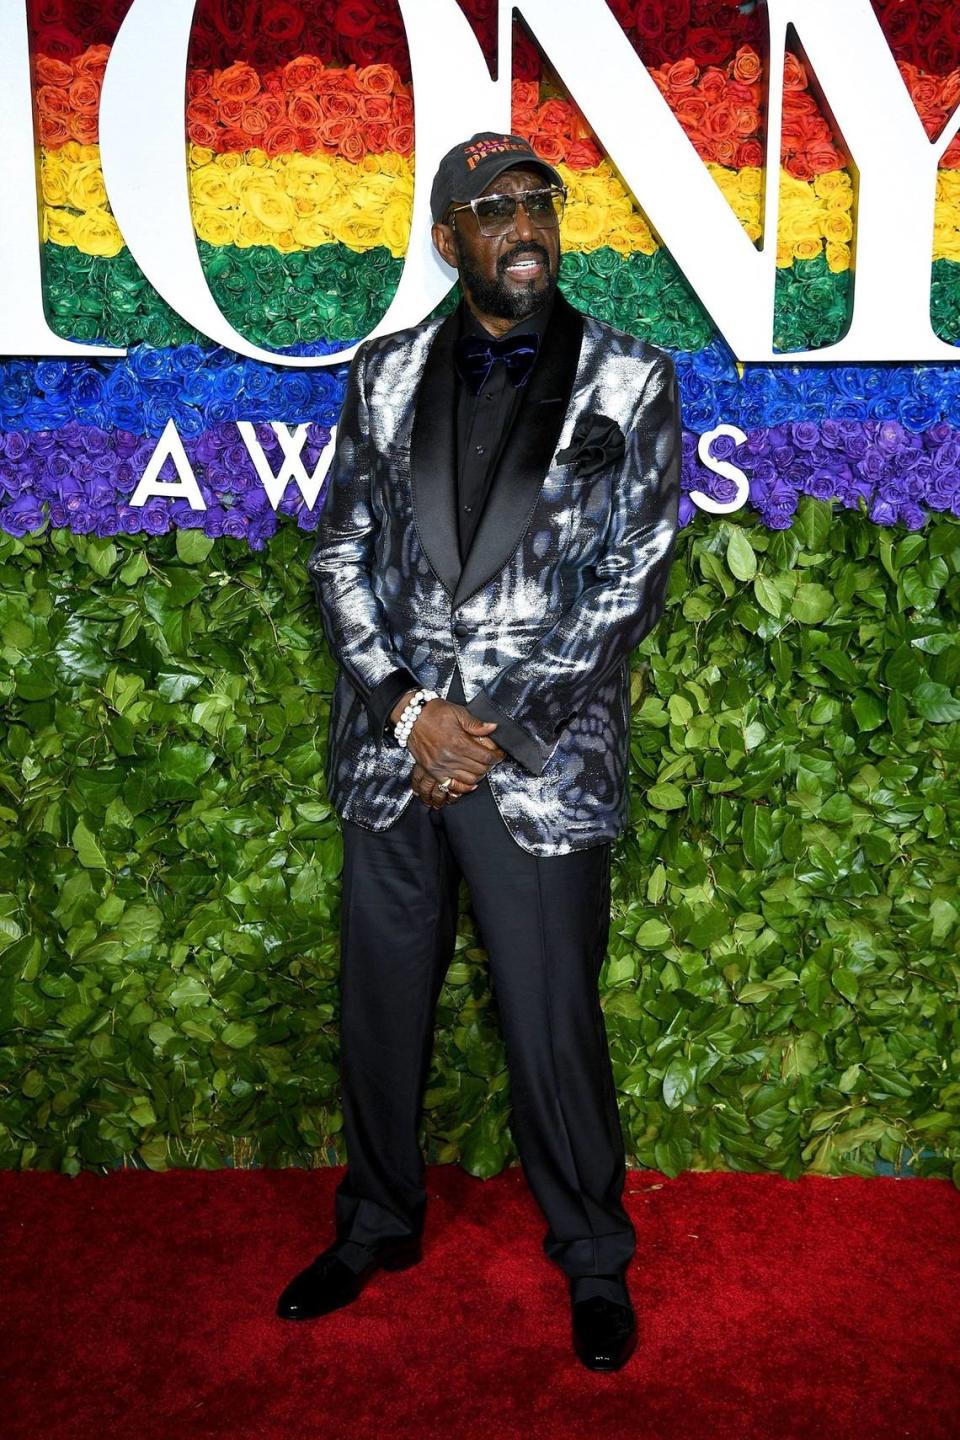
328, 1284
604, 1332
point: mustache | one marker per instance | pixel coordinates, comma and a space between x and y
534, 252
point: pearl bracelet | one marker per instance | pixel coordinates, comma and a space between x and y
409, 713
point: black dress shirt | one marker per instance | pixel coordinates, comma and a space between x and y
483, 424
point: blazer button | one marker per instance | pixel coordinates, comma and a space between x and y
461, 628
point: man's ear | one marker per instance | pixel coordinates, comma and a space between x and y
442, 236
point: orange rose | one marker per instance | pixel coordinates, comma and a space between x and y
202, 111
51, 100
272, 82
713, 86
691, 111
378, 108
660, 79
54, 130
823, 155
794, 75
332, 131
198, 83
335, 103
725, 151
85, 128
303, 73
951, 159
749, 152
304, 110
49, 71
238, 82
376, 138
583, 155
926, 92
280, 139
683, 74
746, 65
400, 138
253, 120
553, 117
352, 147
93, 62
377, 79
85, 95
272, 107
203, 134
308, 139
720, 122
747, 119
934, 121
403, 110
702, 145
549, 147
800, 168
739, 94
950, 94
231, 137
231, 112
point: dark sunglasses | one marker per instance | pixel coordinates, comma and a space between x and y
495, 214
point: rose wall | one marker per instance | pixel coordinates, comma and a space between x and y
781, 985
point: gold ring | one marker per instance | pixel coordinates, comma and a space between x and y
445, 784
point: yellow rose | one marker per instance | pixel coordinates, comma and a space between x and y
251, 232
784, 254
832, 182
53, 178
838, 257
807, 249
85, 187
262, 198
837, 225
217, 227
57, 225
310, 231
233, 159
199, 155
358, 231
211, 187
582, 227
751, 180
97, 233
396, 226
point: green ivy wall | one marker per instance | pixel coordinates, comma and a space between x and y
781, 988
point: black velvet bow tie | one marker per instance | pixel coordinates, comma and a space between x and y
476, 357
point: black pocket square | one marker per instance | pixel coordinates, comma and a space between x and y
597, 442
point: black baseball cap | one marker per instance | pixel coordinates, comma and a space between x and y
469, 167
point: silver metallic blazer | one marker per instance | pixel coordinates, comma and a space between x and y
566, 574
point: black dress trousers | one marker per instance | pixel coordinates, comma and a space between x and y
544, 922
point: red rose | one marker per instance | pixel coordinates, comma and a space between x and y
526, 58
57, 42
708, 46
203, 111
281, 21
649, 20
799, 167
354, 18
206, 135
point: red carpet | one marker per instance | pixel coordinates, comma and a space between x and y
141, 1305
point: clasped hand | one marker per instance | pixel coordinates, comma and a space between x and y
448, 741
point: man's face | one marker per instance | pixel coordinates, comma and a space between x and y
509, 276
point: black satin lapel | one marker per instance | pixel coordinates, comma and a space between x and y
433, 457
528, 452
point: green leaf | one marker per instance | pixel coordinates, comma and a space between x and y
741, 560
238, 1034
666, 797
936, 703
768, 596
653, 935
812, 603
193, 546
679, 1079
88, 851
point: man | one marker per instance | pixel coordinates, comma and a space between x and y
499, 523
